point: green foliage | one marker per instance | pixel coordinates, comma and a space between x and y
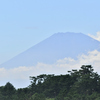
60, 97
37, 96
82, 84
49, 98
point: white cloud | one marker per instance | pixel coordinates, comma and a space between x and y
20, 76
97, 37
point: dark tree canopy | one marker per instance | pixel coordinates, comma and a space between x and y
82, 84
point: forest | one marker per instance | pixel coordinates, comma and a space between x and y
82, 84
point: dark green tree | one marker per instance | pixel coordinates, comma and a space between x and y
8, 91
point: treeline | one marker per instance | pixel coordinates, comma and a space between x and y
82, 84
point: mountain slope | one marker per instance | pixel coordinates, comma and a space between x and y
58, 46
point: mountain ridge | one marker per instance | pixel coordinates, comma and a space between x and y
55, 47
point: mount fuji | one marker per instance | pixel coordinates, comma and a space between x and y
58, 46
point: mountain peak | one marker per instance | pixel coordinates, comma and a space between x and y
58, 46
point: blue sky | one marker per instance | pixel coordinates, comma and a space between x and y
24, 23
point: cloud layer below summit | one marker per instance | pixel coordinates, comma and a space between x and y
19, 76
97, 36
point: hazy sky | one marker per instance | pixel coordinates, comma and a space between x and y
24, 23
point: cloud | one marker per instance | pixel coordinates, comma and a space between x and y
20, 76
93, 58
97, 37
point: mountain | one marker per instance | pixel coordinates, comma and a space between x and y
58, 46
